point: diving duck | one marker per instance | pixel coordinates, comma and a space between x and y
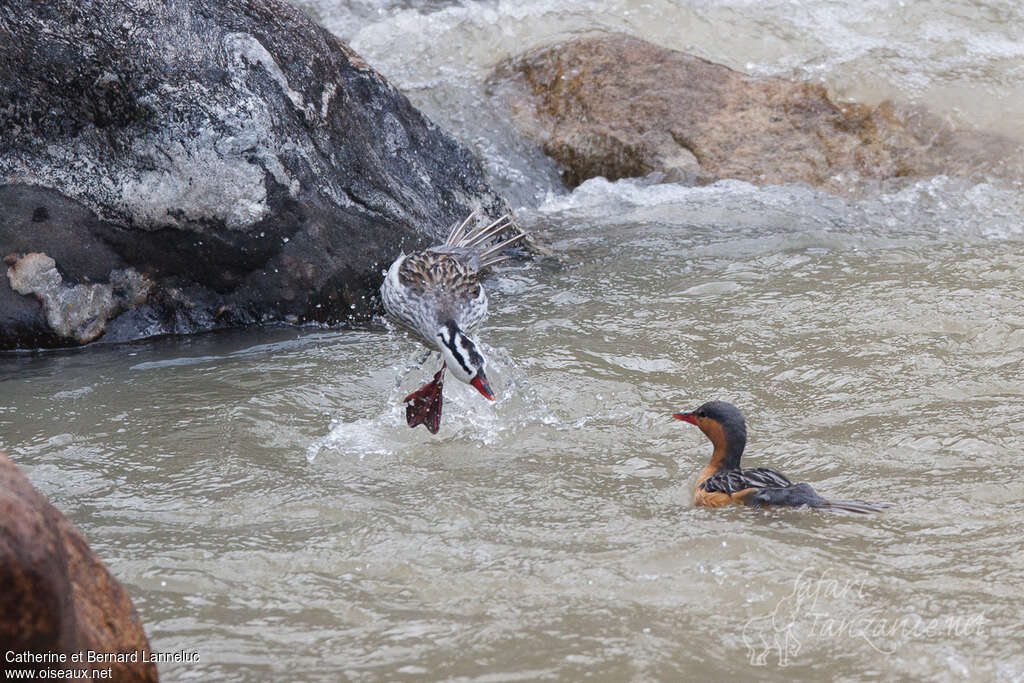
722, 482
436, 293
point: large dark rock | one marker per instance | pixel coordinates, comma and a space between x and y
616, 106
55, 594
168, 167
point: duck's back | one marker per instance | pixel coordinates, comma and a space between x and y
427, 288
768, 488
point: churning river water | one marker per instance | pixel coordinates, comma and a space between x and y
262, 500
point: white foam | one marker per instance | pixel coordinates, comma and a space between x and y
938, 207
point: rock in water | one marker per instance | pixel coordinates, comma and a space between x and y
176, 167
57, 597
618, 107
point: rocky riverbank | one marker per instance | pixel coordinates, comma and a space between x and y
178, 168
618, 106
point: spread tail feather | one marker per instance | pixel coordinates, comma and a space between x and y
803, 494
484, 243
494, 255
460, 230
477, 238
858, 506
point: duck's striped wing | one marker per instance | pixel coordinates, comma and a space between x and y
731, 481
767, 488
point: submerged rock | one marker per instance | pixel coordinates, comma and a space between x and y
617, 106
176, 167
57, 596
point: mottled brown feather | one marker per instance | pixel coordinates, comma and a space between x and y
425, 271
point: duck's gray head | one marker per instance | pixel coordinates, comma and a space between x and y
723, 424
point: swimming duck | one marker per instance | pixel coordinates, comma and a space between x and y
722, 482
437, 294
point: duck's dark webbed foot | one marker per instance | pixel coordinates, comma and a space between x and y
425, 404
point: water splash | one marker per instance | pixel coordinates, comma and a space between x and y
466, 416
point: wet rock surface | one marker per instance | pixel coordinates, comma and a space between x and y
57, 596
205, 164
78, 312
617, 106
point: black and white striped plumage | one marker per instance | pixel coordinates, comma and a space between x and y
437, 294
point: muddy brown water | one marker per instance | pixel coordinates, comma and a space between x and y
261, 498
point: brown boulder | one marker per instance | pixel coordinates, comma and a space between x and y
57, 597
617, 106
